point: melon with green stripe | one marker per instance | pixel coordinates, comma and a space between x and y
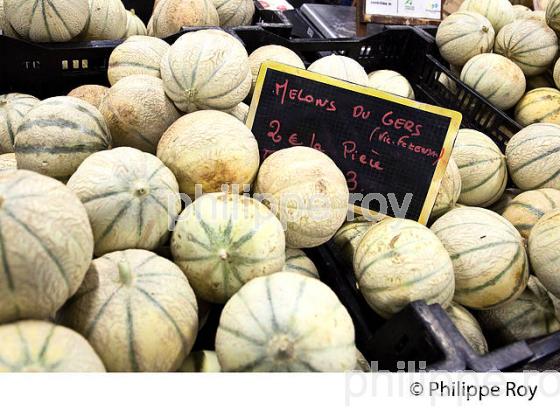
58, 134
272, 52
90, 93
308, 193
47, 20
134, 26
528, 207
449, 190
130, 196
496, 78
544, 251
499, 12
36, 346
489, 260
8, 162
45, 245
298, 262
13, 107
482, 167
138, 112
539, 105
196, 151
221, 241
463, 35
107, 20
285, 322
203, 361
137, 310
137, 55
341, 67
6, 27
530, 44
468, 326
233, 13
206, 69
399, 261
392, 82
347, 238
531, 315
556, 74
552, 15
533, 157
170, 15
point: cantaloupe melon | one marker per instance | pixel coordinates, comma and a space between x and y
399, 261
530, 44
222, 241
504, 201
46, 245
8, 162
107, 20
90, 93
499, 12
556, 73
47, 20
137, 310
468, 326
496, 78
137, 55
348, 237
552, 15
206, 69
58, 134
391, 82
298, 262
35, 346
170, 15
531, 315
544, 251
482, 167
449, 190
489, 260
539, 105
138, 112
203, 361
521, 12
233, 13
308, 193
210, 149
130, 196
240, 111
272, 52
341, 67
463, 35
527, 208
285, 322
13, 107
533, 157
134, 26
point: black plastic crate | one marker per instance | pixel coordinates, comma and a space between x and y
413, 53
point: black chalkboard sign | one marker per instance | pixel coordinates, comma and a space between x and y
393, 151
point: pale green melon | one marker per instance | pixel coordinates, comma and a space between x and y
341, 67
234, 13
285, 322
298, 262
170, 15
449, 190
108, 19
348, 237
489, 259
391, 82
468, 327
134, 26
13, 107
222, 241
499, 12
137, 310
35, 346
272, 52
539, 105
90, 93
399, 261
544, 251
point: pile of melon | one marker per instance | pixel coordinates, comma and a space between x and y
85, 20
507, 53
123, 218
